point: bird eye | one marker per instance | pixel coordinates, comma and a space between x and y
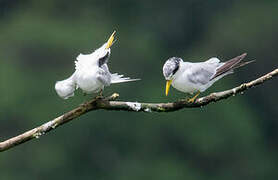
176, 69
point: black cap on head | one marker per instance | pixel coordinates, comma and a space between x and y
171, 66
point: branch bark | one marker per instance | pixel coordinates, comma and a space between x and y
109, 103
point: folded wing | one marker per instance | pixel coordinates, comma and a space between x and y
230, 65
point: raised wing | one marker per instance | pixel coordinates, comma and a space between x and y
82, 60
104, 75
116, 78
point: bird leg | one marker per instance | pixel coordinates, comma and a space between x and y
100, 95
192, 100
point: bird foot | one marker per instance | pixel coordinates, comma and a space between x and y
100, 95
192, 100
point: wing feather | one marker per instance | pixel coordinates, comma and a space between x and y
229, 65
104, 75
117, 78
201, 73
82, 61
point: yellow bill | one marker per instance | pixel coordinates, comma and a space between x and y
110, 40
168, 84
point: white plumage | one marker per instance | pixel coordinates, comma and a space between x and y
91, 73
197, 77
65, 88
194, 77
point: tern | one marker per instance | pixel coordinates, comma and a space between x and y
91, 73
193, 78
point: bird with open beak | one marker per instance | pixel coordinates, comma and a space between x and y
91, 73
192, 78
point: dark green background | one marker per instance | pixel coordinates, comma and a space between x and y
232, 139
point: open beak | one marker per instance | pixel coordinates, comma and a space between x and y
110, 41
168, 84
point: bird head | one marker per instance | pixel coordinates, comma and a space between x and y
170, 69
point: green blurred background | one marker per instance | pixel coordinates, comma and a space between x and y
232, 139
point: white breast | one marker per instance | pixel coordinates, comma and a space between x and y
181, 81
86, 79
182, 84
191, 77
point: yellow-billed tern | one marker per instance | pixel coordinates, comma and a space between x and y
91, 73
197, 77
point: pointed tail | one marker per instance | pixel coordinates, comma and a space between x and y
65, 88
230, 65
116, 78
243, 64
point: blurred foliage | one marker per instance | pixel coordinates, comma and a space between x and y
233, 139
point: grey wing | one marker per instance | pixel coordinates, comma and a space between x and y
104, 76
201, 73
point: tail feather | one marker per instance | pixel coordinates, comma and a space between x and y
65, 88
230, 65
118, 78
243, 64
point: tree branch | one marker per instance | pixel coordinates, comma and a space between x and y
109, 103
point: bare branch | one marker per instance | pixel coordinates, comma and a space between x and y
109, 103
